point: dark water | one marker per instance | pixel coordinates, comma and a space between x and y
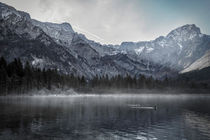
182, 117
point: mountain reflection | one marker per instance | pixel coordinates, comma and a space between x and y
103, 117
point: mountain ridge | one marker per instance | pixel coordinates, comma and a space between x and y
74, 53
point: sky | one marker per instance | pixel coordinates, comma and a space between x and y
116, 21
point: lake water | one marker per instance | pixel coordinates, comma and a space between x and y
105, 117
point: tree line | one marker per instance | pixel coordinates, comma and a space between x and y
19, 78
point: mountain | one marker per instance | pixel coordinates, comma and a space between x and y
178, 50
58, 46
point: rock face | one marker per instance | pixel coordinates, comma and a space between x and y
178, 50
57, 46
199, 64
62, 34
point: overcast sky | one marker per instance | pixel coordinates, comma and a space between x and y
115, 21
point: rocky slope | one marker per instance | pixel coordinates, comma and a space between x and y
199, 64
178, 50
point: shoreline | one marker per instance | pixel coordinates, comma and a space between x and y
76, 92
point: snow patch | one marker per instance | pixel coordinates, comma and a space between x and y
37, 60
114, 52
139, 50
149, 50
192, 36
180, 46
162, 43
123, 52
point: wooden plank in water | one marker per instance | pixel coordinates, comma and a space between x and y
143, 107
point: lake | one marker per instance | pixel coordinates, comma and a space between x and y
105, 117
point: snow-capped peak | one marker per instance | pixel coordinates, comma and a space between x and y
184, 33
61, 33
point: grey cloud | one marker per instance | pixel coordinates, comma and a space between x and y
113, 21
106, 21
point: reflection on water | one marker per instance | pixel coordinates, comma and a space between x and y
105, 117
196, 121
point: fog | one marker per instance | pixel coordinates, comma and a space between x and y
75, 115
144, 93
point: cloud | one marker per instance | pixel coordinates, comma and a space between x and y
115, 21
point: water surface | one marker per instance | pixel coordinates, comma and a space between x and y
105, 117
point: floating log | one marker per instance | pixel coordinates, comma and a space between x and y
136, 106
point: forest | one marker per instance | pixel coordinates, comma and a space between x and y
19, 78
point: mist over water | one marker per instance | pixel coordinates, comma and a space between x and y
87, 117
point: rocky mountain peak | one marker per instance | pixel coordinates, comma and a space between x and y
7, 11
184, 33
66, 26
